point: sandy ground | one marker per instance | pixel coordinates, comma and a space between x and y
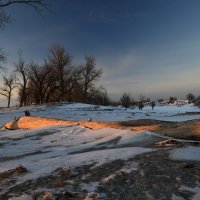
181, 130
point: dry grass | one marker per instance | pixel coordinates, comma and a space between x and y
185, 130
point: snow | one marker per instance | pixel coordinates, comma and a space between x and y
43, 150
195, 190
78, 111
22, 197
187, 153
133, 166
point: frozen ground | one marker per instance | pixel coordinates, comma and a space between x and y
74, 162
44, 150
78, 111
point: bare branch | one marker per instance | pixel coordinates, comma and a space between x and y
2, 59
4, 18
33, 3
37, 5
2, 56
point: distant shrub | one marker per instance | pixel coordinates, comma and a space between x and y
98, 96
140, 105
159, 100
172, 99
190, 97
20, 169
197, 101
115, 103
133, 103
153, 104
125, 100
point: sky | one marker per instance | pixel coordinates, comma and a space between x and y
145, 47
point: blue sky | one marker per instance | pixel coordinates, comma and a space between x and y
148, 47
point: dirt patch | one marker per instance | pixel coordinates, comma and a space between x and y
169, 143
6, 174
136, 125
10, 177
157, 177
151, 176
183, 130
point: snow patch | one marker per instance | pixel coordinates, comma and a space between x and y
22, 197
187, 153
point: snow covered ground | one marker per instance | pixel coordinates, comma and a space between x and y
187, 153
78, 111
43, 150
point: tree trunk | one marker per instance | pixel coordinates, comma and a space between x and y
9, 101
22, 98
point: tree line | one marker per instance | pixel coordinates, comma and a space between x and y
127, 101
55, 80
58, 80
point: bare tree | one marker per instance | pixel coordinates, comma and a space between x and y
190, 97
4, 18
38, 85
8, 86
98, 96
141, 102
197, 101
73, 85
153, 104
89, 75
2, 55
2, 59
60, 61
21, 68
141, 105
125, 100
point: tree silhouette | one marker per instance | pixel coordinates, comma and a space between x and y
125, 100
21, 68
60, 62
190, 97
8, 86
89, 75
